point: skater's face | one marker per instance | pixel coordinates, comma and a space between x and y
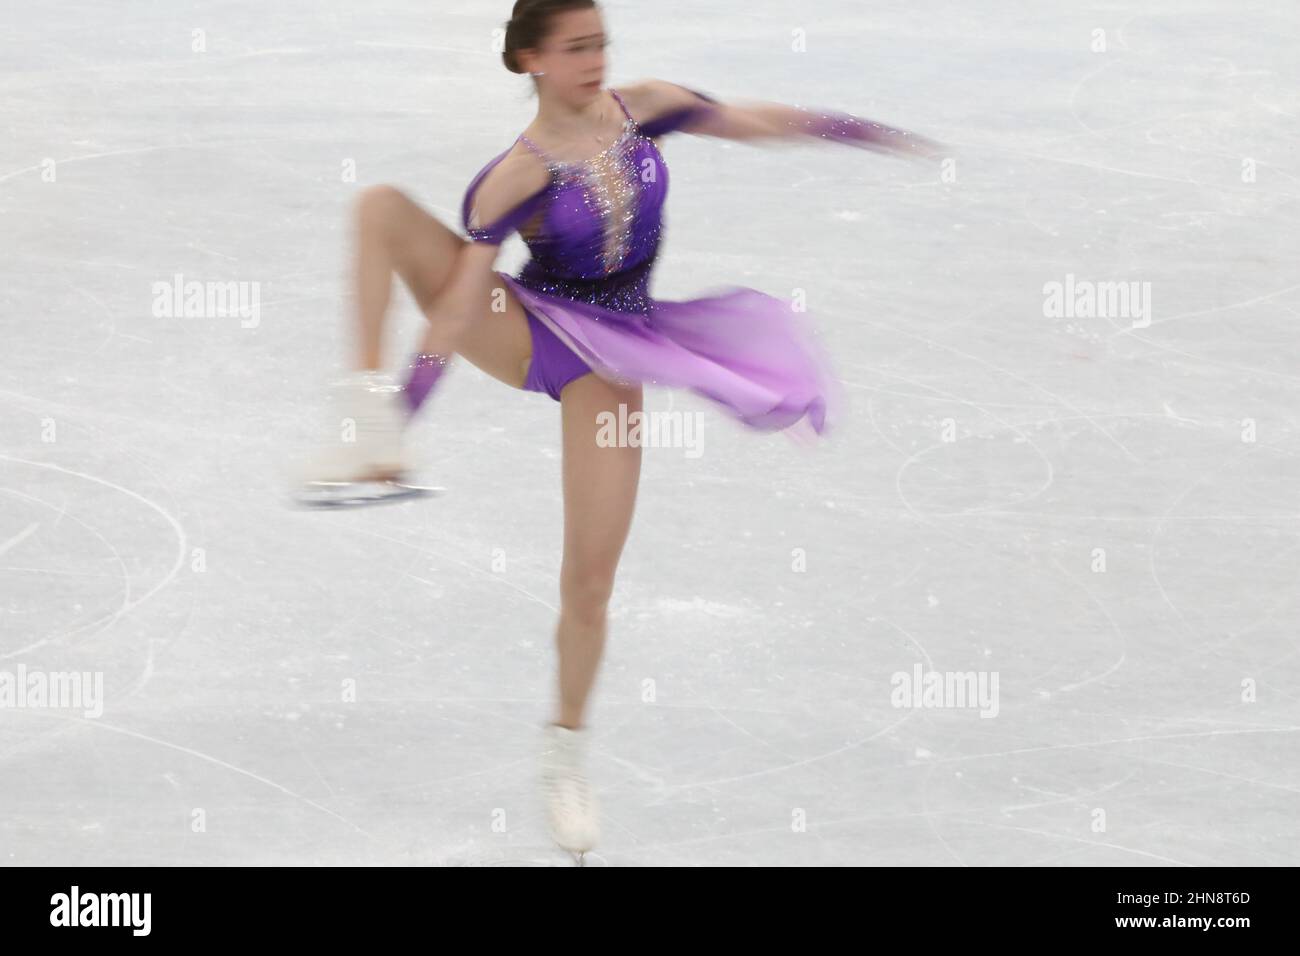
572, 56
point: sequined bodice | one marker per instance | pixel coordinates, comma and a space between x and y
594, 229
597, 232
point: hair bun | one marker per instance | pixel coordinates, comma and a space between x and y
529, 24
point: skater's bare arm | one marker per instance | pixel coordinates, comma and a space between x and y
507, 189
659, 101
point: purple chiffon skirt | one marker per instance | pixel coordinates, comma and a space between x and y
750, 353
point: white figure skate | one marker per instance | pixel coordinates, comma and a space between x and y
365, 461
572, 811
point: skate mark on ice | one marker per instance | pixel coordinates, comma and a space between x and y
1142, 738
1119, 632
124, 577
128, 605
19, 538
1244, 303
496, 578
216, 761
835, 752
1073, 839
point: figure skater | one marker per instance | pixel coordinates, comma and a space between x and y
585, 186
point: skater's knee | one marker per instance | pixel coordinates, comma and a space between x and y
585, 594
377, 206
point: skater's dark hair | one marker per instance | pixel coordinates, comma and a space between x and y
530, 23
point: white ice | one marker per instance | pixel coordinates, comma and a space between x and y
989, 459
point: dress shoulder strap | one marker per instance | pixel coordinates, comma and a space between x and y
622, 105
543, 154
550, 160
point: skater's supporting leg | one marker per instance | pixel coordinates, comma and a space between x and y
600, 486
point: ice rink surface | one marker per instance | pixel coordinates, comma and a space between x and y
1102, 513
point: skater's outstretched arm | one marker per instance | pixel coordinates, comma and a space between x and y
668, 107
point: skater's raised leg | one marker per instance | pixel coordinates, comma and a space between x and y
453, 284
451, 281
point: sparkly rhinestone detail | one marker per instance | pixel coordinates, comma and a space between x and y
612, 189
609, 188
627, 291
425, 359
425, 370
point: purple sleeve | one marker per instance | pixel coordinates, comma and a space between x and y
825, 124
495, 233
864, 133
671, 122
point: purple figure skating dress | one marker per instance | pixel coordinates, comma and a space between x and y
594, 233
